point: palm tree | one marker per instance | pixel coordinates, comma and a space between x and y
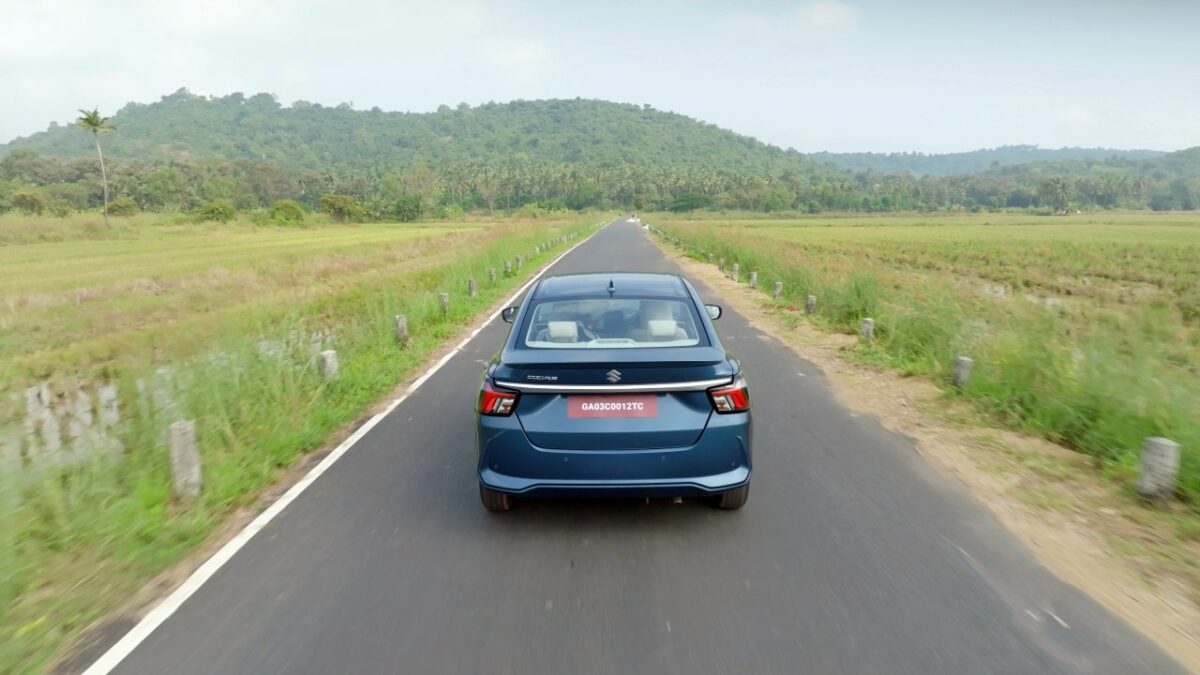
1057, 190
90, 120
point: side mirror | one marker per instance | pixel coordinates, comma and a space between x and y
714, 311
509, 313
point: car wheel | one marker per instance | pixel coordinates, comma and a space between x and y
734, 499
494, 501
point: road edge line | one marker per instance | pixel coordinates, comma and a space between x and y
169, 605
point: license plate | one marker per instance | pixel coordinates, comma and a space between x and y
613, 405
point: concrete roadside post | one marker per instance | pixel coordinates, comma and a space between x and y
508, 268
733, 271
471, 289
721, 264
186, 479
1160, 466
810, 304
753, 281
867, 330
778, 292
492, 275
400, 322
329, 364
962, 370
444, 303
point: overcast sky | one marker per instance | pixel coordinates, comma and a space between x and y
840, 75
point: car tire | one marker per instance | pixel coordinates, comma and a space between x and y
494, 501
734, 499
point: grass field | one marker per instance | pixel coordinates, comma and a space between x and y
217, 324
1085, 329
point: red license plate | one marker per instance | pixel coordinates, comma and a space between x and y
613, 405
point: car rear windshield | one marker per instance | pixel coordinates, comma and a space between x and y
613, 323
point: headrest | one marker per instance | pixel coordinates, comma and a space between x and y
655, 309
662, 327
563, 331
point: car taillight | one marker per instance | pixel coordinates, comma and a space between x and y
731, 398
497, 402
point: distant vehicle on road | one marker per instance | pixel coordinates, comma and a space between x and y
613, 385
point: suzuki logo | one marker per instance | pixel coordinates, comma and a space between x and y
613, 376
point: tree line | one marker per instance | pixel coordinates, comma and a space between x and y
974, 161
44, 185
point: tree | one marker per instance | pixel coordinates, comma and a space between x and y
90, 120
164, 187
407, 208
690, 202
342, 207
1058, 191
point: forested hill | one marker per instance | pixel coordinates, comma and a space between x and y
189, 152
302, 135
961, 163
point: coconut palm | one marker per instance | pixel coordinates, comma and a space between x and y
90, 120
1057, 190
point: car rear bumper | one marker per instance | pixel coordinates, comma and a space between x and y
719, 461
697, 486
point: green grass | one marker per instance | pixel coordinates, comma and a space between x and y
184, 310
1084, 329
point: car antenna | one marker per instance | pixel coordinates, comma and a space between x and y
611, 288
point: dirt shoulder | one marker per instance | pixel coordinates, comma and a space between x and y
1141, 563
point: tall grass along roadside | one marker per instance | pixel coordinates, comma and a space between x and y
1085, 330
106, 338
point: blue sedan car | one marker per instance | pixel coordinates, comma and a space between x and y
613, 385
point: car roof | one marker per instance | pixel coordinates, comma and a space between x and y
625, 284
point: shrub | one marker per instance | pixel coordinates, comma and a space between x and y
216, 211
553, 205
78, 196
60, 209
29, 202
407, 208
342, 208
532, 210
287, 212
125, 206
451, 211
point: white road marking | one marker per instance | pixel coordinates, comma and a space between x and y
155, 618
1054, 616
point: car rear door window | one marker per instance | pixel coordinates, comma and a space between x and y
612, 323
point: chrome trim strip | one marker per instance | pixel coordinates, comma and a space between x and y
695, 385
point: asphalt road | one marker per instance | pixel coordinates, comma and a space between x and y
852, 556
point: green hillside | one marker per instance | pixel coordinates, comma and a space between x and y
188, 151
959, 163
185, 126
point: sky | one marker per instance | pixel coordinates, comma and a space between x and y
836, 75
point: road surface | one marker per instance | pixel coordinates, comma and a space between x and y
852, 556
